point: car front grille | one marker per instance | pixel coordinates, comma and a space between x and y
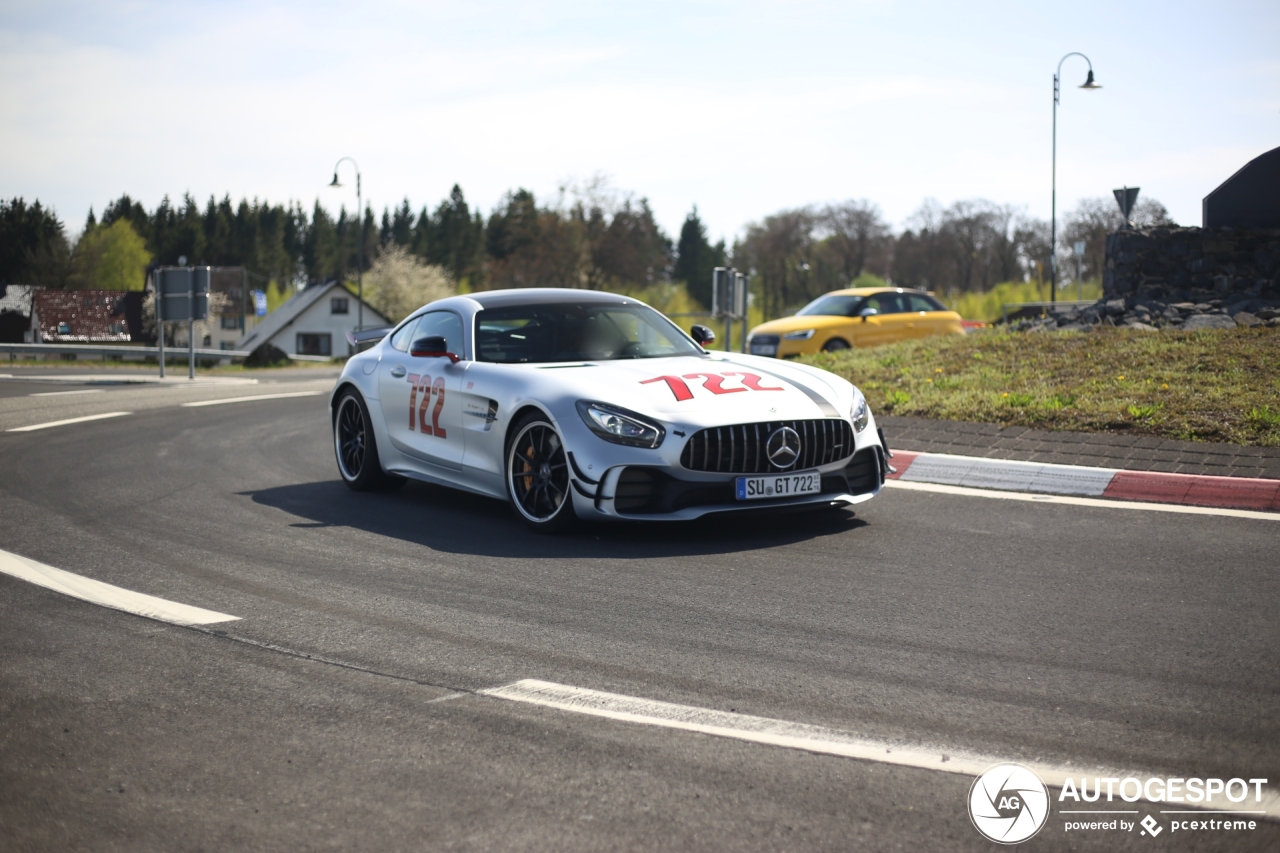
740, 449
763, 345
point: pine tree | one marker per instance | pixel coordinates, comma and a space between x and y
696, 258
32, 240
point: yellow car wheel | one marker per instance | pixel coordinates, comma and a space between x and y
835, 345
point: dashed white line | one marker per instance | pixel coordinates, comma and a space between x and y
802, 736
967, 491
65, 393
106, 595
69, 421
249, 399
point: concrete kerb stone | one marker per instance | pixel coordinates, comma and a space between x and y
1076, 480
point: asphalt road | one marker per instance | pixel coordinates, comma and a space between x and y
1048, 633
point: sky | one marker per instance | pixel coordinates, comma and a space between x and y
742, 109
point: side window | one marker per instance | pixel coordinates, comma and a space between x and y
923, 303
402, 337
889, 303
444, 323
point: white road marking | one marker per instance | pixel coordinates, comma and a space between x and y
106, 595
809, 738
255, 397
131, 379
69, 421
1063, 499
65, 393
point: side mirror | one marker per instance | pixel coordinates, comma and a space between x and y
867, 312
703, 335
435, 346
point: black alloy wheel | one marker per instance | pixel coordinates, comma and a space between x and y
538, 475
356, 449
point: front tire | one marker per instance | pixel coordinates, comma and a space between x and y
537, 475
356, 448
835, 345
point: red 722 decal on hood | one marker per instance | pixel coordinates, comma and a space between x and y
713, 382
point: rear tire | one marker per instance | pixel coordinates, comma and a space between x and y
835, 345
537, 475
356, 448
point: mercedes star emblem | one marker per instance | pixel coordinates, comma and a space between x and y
783, 447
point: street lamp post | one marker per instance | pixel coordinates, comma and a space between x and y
1053, 214
360, 237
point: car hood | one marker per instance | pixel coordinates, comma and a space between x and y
792, 324
750, 389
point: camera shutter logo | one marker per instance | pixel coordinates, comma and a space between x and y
1009, 803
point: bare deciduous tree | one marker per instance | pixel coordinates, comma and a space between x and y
854, 230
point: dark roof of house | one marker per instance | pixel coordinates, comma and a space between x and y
82, 315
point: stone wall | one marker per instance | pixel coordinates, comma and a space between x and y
1180, 278
1193, 265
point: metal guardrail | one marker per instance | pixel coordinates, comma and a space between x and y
1061, 303
170, 353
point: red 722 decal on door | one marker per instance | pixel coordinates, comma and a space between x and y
418, 411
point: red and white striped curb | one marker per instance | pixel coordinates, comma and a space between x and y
1044, 478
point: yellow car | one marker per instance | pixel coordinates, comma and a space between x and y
858, 317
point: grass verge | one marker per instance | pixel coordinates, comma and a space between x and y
1220, 385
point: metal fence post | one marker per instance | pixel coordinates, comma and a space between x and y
160, 318
191, 324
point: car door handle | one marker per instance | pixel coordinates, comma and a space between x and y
398, 371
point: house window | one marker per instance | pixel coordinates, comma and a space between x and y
226, 345
230, 322
315, 344
339, 305
116, 328
64, 328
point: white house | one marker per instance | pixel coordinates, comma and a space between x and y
313, 322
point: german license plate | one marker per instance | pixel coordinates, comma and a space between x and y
779, 486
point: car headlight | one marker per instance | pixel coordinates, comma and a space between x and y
859, 412
802, 335
620, 426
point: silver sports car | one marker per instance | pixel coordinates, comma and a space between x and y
575, 404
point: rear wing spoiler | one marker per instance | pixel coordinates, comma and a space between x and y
367, 336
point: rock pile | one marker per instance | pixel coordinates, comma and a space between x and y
1148, 313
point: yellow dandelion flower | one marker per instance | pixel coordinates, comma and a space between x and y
1120, 378
1164, 386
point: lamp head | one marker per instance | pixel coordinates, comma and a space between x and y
335, 174
1088, 84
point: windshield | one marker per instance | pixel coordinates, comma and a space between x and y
568, 331
833, 305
